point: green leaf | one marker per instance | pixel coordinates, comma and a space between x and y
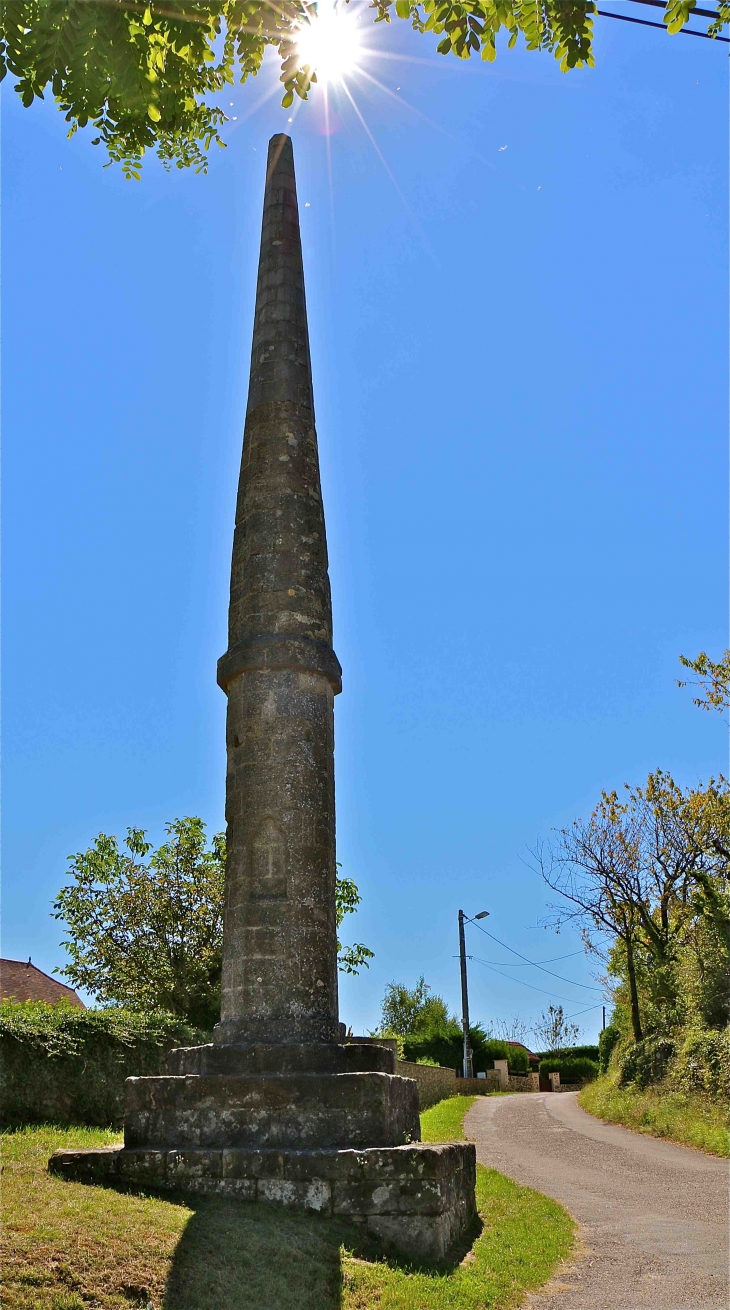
154, 113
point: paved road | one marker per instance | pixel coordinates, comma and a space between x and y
653, 1216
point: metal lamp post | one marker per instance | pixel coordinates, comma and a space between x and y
468, 1067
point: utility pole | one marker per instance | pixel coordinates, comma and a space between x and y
467, 1067
604, 1019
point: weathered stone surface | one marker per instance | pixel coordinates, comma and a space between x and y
416, 1199
288, 1057
271, 1110
280, 675
279, 1108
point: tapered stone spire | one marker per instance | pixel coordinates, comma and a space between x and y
276, 1109
280, 674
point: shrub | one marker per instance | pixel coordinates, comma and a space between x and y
606, 1044
519, 1061
491, 1049
446, 1047
702, 1063
442, 1048
579, 1070
571, 1052
647, 1061
66, 1065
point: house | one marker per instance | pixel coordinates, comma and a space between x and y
24, 982
534, 1059
520, 1046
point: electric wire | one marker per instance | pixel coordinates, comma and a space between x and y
507, 964
661, 4
570, 1000
644, 22
579, 1012
586, 986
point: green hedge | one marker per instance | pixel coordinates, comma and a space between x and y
579, 1070
702, 1062
447, 1048
647, 1061
692, 1060
519, 1061
571, 1053
61, 1064
606, 1044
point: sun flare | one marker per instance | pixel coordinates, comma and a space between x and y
330, 43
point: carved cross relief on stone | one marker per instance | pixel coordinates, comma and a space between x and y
268, 863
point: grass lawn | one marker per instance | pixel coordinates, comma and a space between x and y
69, 1246
691, 1120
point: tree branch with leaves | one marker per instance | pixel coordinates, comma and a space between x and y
142, 74
144, 927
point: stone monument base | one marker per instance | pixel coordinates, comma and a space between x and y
417, 1200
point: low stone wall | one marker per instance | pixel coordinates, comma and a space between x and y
434, 1083
495, 1082
529, 1082
477, 1086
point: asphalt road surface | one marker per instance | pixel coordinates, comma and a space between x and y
653, 1216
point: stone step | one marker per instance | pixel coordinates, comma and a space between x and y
416, 1199
280, 1057
271, 1110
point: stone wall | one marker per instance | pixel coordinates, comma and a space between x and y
434, 1083
477, 1086
494, 1083
528, 1082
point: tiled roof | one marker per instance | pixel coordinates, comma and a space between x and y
23, 982
522, 1047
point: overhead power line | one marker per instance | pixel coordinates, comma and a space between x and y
578, 1012
661, 4
559, 976
569, 1000
507, 964
644, 22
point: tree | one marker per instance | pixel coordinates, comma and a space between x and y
141, 74
406, 1011
351, 959
145, 927
553, 1031
427, 1032
513, 1030
636, 873
713, 679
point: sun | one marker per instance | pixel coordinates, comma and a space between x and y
330, 43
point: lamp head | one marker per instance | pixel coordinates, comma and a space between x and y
484, 914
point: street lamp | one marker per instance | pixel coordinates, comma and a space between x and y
468, 1068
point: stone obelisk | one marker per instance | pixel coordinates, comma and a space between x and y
280, 674
276, 1109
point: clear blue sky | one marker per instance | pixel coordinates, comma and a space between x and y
520, 356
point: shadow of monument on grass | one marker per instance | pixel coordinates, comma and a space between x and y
234, 1256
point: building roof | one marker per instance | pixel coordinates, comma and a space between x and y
21, 981
523, 1048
